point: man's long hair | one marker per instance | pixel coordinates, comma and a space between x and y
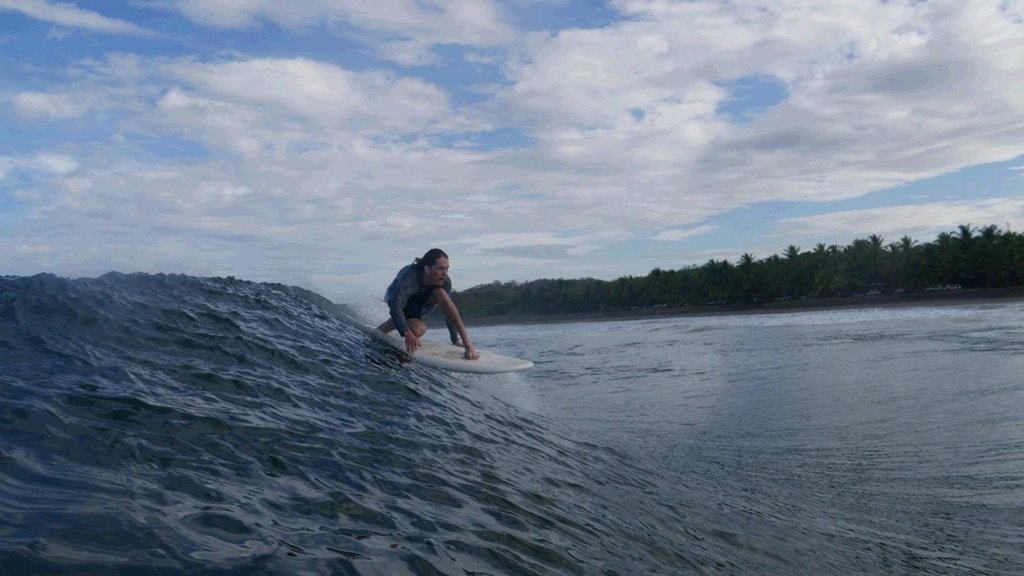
430, 257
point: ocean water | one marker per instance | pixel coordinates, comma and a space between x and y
177, 425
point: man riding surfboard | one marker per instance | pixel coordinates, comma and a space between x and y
417, 290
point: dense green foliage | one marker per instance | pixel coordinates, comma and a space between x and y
968, 257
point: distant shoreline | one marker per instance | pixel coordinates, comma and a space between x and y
960, 297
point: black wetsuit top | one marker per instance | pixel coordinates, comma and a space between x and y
408, 297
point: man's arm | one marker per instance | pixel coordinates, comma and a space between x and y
452, 315
453, 330
407, 286
398, 315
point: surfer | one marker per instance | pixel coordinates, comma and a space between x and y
417, 290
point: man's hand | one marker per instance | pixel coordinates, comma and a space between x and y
412, 343
471, 354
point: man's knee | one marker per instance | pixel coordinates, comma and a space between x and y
417, 326
441, 299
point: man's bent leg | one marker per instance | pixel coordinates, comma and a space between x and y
417, 326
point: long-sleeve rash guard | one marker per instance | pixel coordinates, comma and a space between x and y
408, 293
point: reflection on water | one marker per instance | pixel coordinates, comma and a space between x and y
867, 441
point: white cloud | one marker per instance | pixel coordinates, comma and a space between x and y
243, 131
299, 86
77, 184
879, 94
52, 106
53, 163
407, 52
675, 235
269, 95
69, 15
44, 162
235, 14
917, 221
37, 250
417, 24
394, 223
29, 196
536, 246
223, 125
614, 129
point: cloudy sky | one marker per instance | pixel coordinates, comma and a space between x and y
328, 142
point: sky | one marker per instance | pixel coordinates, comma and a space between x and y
327, 143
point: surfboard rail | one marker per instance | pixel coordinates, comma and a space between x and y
452, 358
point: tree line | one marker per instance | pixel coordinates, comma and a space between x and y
969, 257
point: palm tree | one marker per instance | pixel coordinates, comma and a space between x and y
717, 280
771, 279
1015, 257
966, 233
876, 259
907, 244
796, 282
748, 282
944, 260
966, 265
910, 251
828, 277
989, 255
897, 263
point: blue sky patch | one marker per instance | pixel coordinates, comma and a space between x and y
750, 96
503, 139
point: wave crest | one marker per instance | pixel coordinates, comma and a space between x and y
165, 423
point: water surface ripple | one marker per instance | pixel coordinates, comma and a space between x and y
163, 424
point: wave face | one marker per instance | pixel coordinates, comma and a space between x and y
163, 424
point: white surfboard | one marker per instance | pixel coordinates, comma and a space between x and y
448, 357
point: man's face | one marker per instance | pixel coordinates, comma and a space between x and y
435, 275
